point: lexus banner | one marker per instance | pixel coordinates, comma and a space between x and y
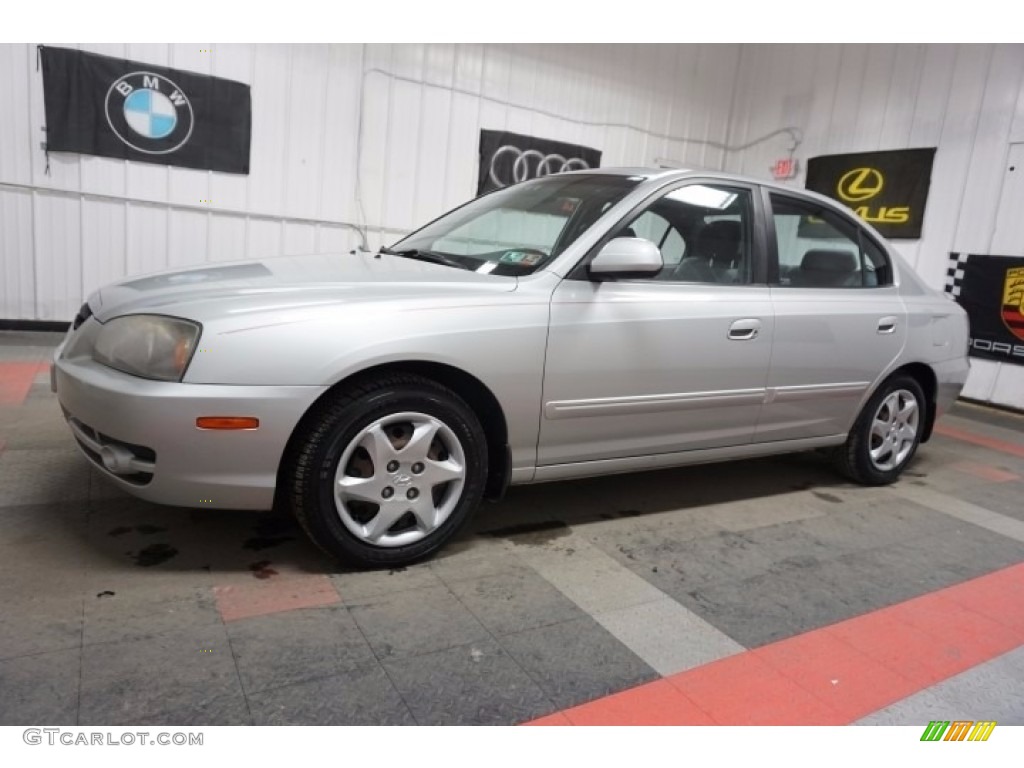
991, 289
886, 189
99, 105
508, 158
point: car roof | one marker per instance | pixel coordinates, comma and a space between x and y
666, 174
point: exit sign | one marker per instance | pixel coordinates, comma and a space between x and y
784, 168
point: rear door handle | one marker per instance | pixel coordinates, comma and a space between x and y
744, 330
887, 324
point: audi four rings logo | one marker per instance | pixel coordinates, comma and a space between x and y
528, 164
149, 113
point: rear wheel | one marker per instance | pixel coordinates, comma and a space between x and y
385, 473
886, 435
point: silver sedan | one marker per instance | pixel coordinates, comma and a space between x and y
579, 324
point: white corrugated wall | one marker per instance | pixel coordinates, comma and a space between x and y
96, 219
967, 100
405, 119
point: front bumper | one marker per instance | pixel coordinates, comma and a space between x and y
146, 430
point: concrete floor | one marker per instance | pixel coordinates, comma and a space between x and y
766, 591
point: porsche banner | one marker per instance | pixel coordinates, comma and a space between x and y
886, 189
508, 158
100, 105
991, 289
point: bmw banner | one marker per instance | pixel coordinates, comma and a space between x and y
991, 289
99, 105
508, 158
886, 189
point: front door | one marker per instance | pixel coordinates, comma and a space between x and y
673, 362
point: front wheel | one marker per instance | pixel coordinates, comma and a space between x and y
886, 435
385, 473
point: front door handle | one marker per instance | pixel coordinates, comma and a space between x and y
744, 330
887, 324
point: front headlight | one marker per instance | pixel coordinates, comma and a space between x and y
149, 346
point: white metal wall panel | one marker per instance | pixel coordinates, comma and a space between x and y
104, 233
420, 109
17, 270
187, 238
147, 246
57, 230
265, 238
967, 100
15, 124
227, 238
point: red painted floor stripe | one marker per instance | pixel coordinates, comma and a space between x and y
274, 595
1015, 449
985, 471
16, 380
836, 674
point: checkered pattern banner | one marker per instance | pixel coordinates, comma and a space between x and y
955, 273
991, 289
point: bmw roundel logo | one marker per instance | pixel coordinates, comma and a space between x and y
149, 113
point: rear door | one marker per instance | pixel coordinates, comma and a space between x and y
839, 320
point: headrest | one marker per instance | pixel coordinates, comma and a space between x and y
823, 260
720, 241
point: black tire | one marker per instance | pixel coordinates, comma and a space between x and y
329, 430
854, 458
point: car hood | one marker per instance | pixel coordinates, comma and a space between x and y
291, 282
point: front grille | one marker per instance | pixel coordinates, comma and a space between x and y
83, 314
138, 464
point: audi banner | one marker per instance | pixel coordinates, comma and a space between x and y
886, 189
100, 105
508, 158
991, 289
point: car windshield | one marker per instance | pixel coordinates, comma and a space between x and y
517, 230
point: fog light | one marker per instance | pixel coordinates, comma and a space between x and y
116, 460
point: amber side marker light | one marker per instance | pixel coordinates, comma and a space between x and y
227, 422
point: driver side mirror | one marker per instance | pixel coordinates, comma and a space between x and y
627, 257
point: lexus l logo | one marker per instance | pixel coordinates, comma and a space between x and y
860, 184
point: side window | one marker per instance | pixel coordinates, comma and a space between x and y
819, 249
703, 231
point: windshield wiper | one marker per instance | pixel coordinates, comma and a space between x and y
433, 258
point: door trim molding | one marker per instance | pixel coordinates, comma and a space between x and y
687, 401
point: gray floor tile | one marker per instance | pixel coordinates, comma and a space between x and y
476, 684
577, 661
515, 600
358, 586
36, 624
40, 689
125, 681
231, 709
361, 697
127, 616
43, 476
415, 622
473, 558
297, 646
968, 551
